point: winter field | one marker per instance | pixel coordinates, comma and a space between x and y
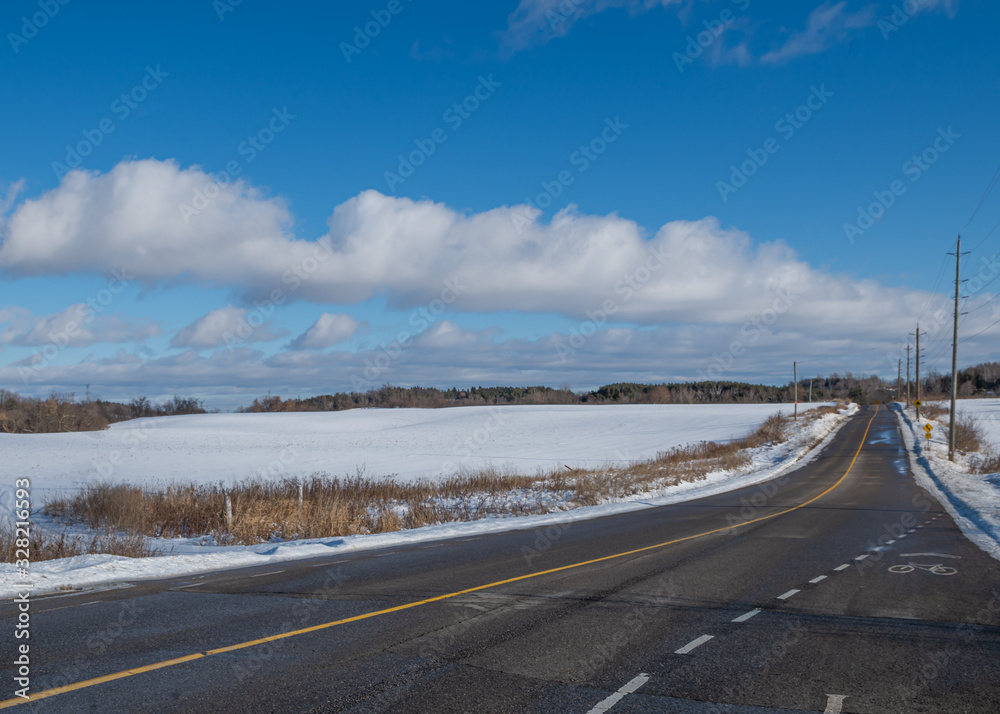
408, 443
970, 487
412, 444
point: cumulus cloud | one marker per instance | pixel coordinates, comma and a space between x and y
328, 330
535, 22
423, 255
226, 326
133, 216
78, 325
585, 355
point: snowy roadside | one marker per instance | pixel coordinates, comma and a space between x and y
972, 500
91, 571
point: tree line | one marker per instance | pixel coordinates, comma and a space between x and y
62, 412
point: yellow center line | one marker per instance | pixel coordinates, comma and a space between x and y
326, 625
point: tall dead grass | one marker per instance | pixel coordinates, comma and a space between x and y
43, 545
339, 506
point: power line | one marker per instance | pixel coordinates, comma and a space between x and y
930, 297
987, 236
980, 332
989, 189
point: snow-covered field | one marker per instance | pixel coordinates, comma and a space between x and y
409, 442
972, 499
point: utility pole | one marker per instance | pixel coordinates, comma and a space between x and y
907, 375
954, 351
795, 376
918, 373
899, 379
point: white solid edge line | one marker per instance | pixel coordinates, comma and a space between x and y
818, 579
746, 616
628, 688
785, 596
693, 644
845, 566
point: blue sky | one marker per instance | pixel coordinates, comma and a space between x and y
605, 190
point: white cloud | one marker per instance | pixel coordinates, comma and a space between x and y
226, 326
77, 326
535, 22
422, 254
328, 330
827, 25
130, 216
446, 354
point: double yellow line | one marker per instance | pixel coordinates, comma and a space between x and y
326, 625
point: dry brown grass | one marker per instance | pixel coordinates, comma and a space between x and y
43, 545
968, 435
932, 411
331, 506
987, 462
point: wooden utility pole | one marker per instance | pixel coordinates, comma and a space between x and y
907, 375
954, 351
795, 376
918, 374
899, 380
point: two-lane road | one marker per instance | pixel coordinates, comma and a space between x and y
842, 586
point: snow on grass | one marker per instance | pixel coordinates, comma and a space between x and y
410, 442
972, 499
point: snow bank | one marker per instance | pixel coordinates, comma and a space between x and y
644, 429
973, 500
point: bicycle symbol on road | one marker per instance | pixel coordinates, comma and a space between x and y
937, 569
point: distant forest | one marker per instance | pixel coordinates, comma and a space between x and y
979, 381
63, 412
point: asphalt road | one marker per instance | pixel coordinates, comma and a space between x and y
816, 592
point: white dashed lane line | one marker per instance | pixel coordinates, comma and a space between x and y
746, 616
785, 596
862, 557
845, 566
817, 579
834, 703
629, 688
693, 644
